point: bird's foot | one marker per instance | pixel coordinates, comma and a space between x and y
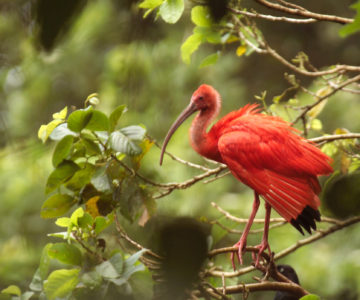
261, 248
241, 244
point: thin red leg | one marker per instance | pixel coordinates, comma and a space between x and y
264, 243
241, 244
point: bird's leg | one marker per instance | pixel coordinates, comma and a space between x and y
241, 244
264, 243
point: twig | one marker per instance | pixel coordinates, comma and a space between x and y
184, 162
132, 242
331, 138
240, 220
271, 18
265, 286
93, 253
190, 182
318, 235
339, 87
300, 11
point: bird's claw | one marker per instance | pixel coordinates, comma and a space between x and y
239, 253
261, 248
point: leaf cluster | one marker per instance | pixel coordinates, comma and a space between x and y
90, 171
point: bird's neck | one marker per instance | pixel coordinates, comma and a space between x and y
203, 142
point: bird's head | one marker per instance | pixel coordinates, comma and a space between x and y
204, 99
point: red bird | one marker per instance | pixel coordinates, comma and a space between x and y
265, 153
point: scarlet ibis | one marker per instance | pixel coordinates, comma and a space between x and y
265, 153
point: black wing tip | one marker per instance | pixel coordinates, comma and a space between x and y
306, 220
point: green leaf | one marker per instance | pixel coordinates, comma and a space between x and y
316, 124
98, 121
91, 279
78, 213
62, 173
92, 99
107, 270
134, 132
86, 221
117, 261
12, 290
100, 180
150, 5
310, 297
45, 130
117, 113
65, 235
200, 16
79, 119
61, 115
210, 60
208, 34
63, 222
60, 283
123, 140
36, 282
44, 262
191, 44
60, 132
354, 26
27, 295
62, 150
57, 205
129, 264
66, 253
101, 223
92, 148
81, 178
171, 10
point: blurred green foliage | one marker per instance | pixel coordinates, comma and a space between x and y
112, 50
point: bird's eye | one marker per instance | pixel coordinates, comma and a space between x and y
201, 98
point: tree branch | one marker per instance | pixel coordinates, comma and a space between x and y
300, 11
307, 108
255, 14
334, 137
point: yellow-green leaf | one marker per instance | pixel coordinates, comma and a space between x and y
171, 10
241, 50
316, 124
200, 16
45, 130
60, 283
65, 253
61, 115
209, 60
191, 44
12, 290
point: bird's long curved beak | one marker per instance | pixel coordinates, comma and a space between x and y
187, 112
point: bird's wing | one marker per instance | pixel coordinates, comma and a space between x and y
276, 163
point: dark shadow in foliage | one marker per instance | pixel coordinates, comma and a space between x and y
342, 195
218, 8
54, 19
290, 273
183, 245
